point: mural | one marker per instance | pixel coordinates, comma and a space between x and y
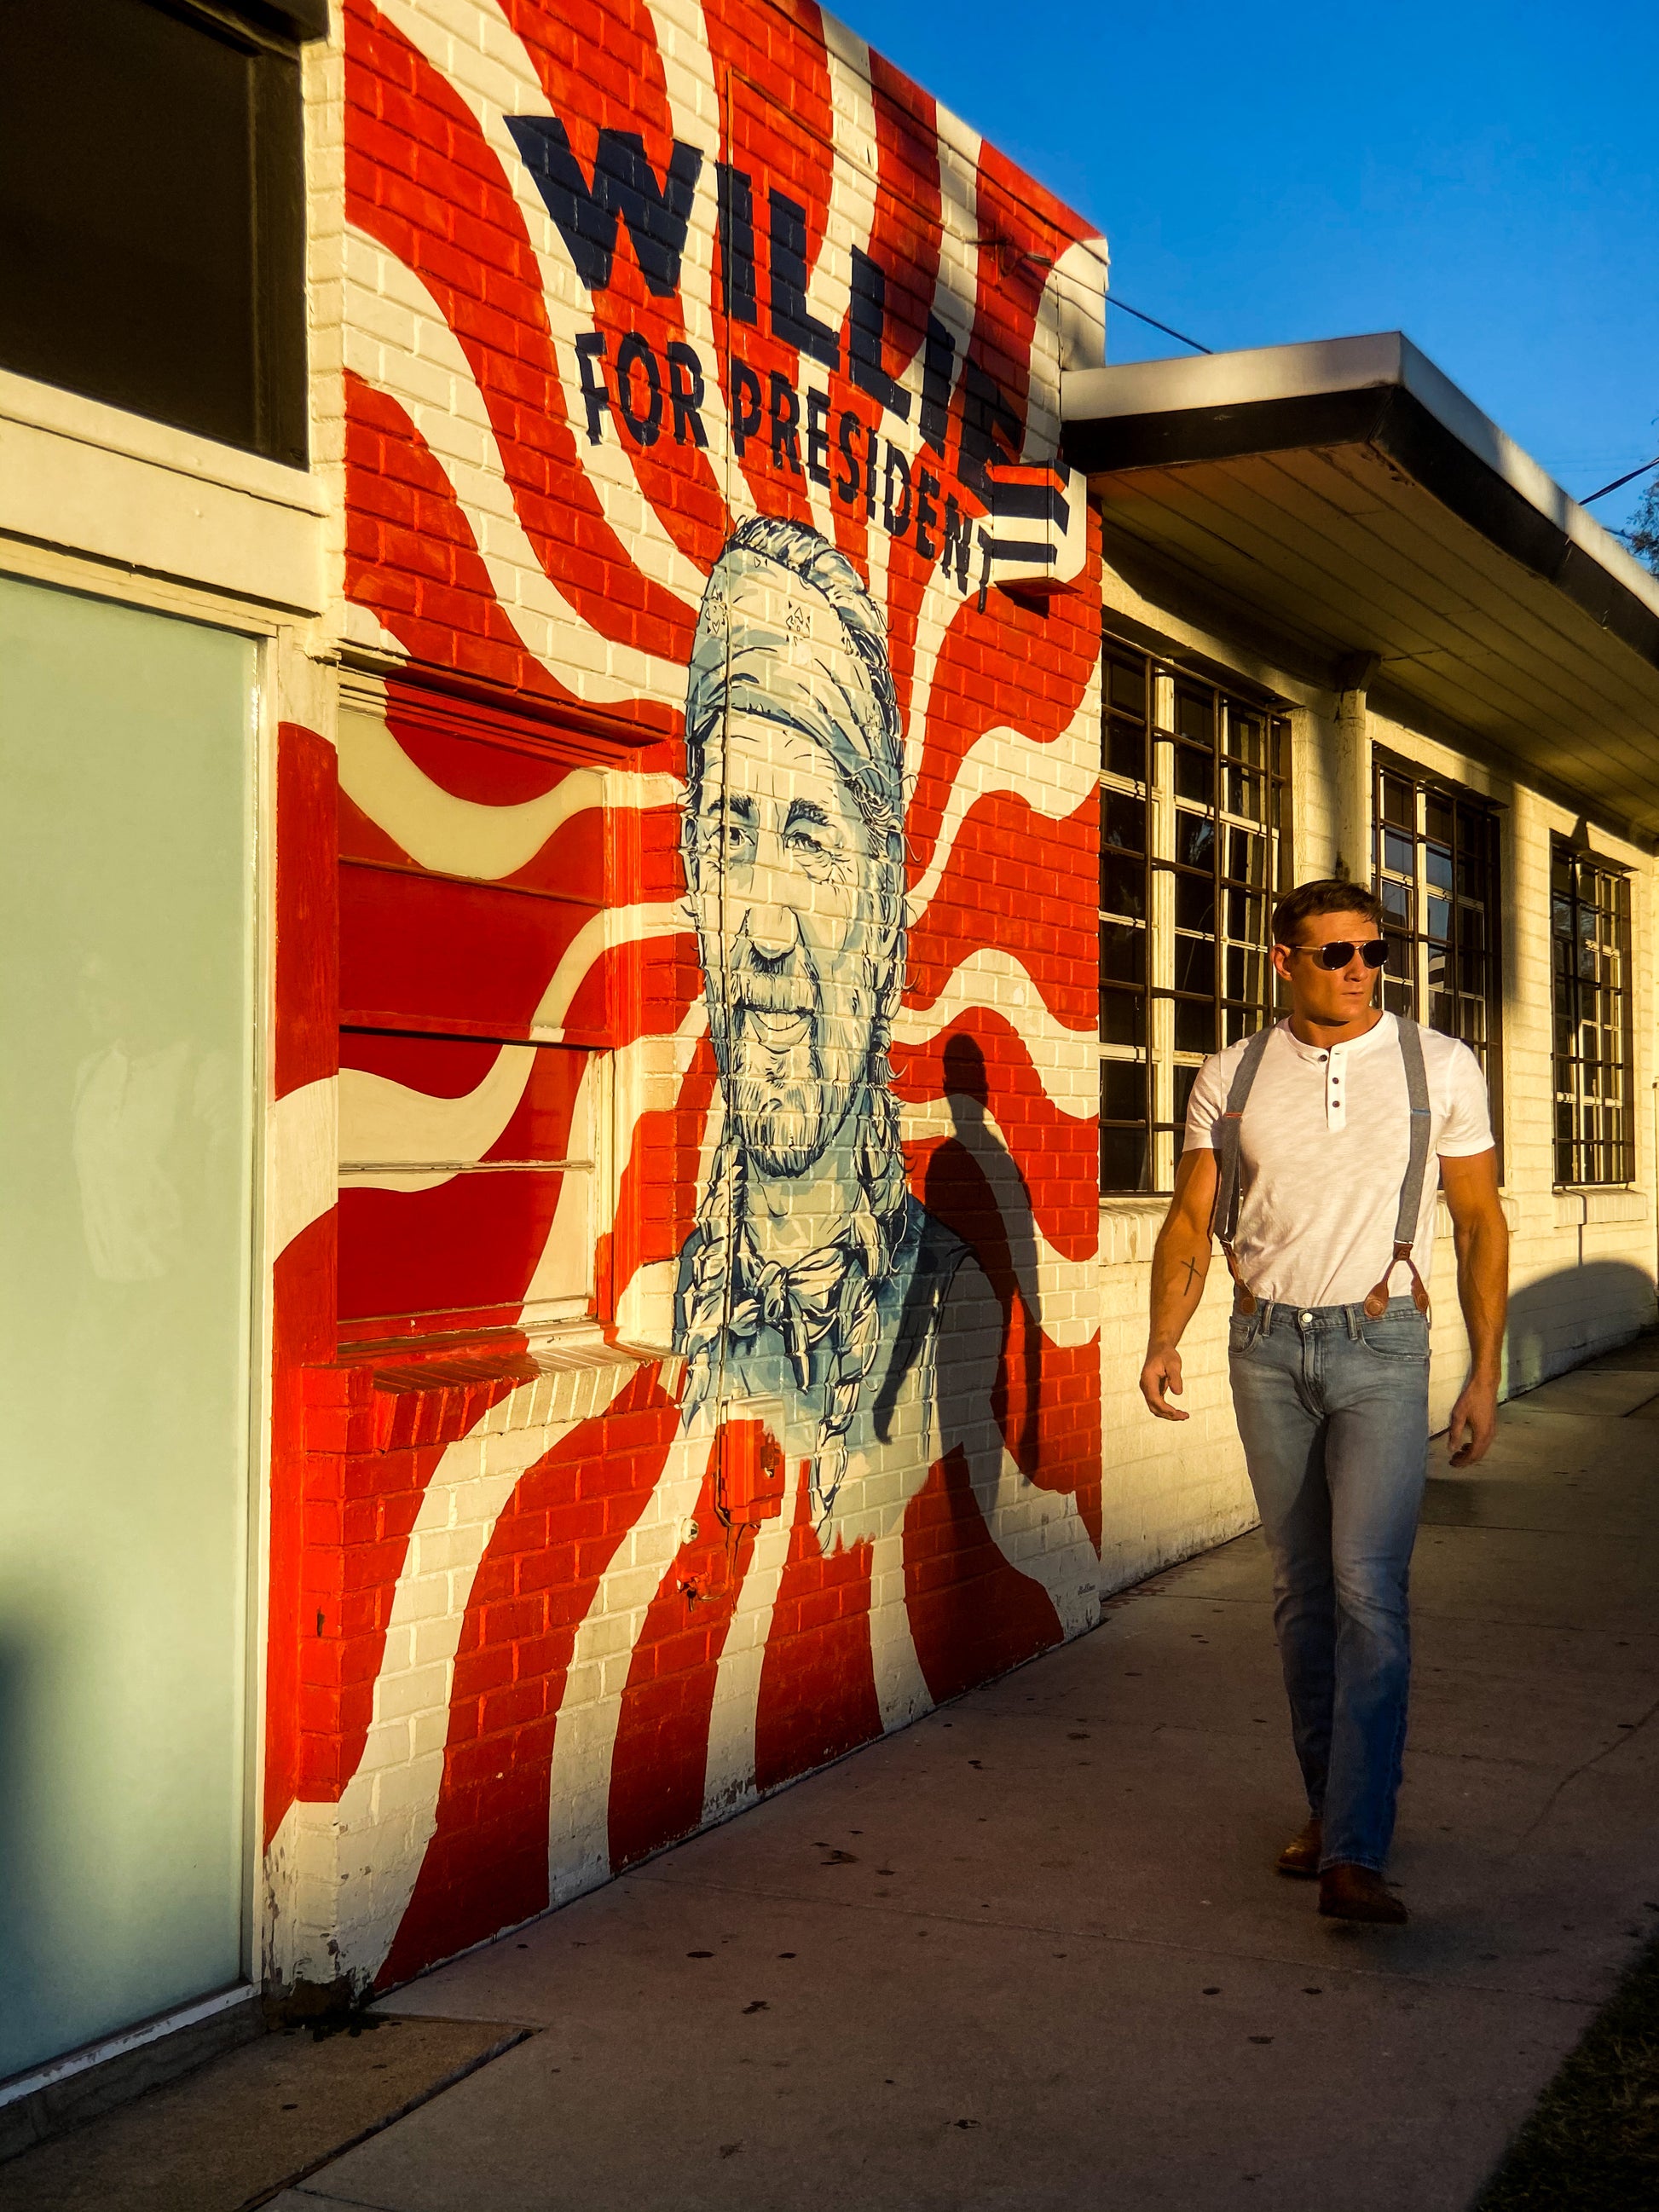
699, 1372
811, 1271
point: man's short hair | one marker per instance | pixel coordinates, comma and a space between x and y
1329, 894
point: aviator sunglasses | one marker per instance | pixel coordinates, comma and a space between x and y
1374, 953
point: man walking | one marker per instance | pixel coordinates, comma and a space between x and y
1307, 1154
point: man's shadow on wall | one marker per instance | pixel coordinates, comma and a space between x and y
1574, 1314
973, 1188
1569, 1314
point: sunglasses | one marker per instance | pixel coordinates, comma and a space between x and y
1374, 953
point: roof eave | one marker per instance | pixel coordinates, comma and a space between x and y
1378, 390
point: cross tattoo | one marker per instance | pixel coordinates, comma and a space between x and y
1192, 1272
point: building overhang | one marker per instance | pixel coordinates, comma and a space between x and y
1344, 505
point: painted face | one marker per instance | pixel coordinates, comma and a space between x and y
785, 901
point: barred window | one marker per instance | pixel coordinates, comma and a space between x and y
1193, 813
153, 211
1590, 935
1436, 872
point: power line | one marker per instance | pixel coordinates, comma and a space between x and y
1181, 336
1628, 478
1169, 333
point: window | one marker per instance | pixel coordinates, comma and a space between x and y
1589, 935
432, 997
126, 1187
1192, 849
152, 212
1436, 872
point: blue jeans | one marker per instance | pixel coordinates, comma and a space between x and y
1333, 1407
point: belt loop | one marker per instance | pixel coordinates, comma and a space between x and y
1268, 1310
1351, 1314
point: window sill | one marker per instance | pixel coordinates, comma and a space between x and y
98, 484
437, 1401
71, 414
1129, 1227
1584, 1206
1444, 1226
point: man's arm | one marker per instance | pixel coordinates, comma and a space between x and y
1181, 1260
1482, 1238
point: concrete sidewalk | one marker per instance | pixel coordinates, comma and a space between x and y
1029, 1953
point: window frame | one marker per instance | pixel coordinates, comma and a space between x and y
1179, 887
243, 381
1579, 1150
1473, 847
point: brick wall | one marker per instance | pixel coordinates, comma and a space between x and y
708, 1373
706, 1365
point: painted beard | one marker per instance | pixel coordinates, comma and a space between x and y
789, 1069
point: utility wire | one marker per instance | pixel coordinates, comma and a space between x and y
1169, 333
1628, 478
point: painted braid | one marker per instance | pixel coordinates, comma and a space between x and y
870, 1241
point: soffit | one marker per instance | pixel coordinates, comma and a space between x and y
1345, 502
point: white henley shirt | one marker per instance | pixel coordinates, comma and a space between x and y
1324, 1144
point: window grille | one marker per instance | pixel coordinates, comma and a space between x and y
1434, 855
1194, 846
1589, 939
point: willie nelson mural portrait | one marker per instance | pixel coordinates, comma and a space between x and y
813, 1277
812, 1268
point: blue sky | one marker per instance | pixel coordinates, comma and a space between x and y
1484, 177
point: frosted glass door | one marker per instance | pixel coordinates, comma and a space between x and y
124, 1149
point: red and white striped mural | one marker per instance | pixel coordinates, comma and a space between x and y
637, 1447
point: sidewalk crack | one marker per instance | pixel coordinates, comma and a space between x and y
1625, 1736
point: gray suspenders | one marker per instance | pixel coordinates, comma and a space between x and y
1417, 1166
1229, 1188
1228, 1182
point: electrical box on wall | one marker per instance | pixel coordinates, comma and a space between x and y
1039, 528
750, 1476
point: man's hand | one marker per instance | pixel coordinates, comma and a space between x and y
1181, 1260
1163, 1372
1475, 1413
1483, 1280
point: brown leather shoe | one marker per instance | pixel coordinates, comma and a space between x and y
1356, 1892
1300, 1857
